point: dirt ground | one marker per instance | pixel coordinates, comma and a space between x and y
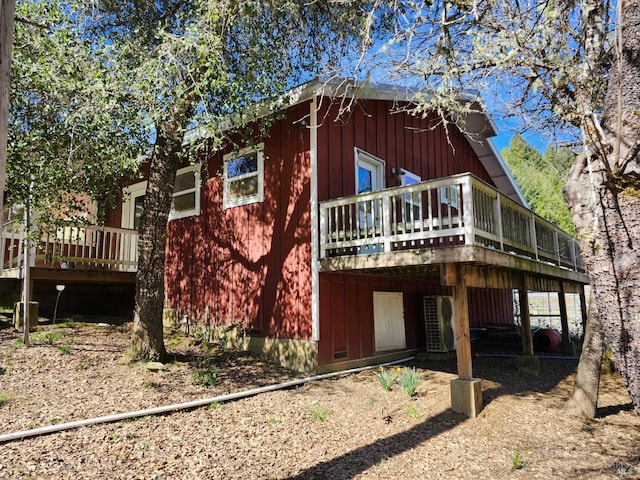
346, 427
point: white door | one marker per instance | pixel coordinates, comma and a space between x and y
369, 178
131, 213
132, 205
388, 321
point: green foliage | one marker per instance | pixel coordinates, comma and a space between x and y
409, 380
64, 349
4, 399
46, 337
205, 377
386, 379
70, 133
540, 178
517, 462
413, 412
319, 413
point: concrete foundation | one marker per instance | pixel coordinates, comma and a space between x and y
529, 365
466, 396
298, 355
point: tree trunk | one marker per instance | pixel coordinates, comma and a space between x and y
584, 399
608, 225
147, 337
603, 193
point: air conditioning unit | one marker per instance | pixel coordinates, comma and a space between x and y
439, 323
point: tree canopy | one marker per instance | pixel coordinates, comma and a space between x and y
540, 178
70, 134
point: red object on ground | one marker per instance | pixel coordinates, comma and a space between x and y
546, 340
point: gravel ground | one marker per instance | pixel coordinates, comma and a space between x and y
346, 427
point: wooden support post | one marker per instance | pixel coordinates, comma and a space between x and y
466, 392
525, 319
527, 363
463, 337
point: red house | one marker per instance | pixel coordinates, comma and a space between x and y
342, 240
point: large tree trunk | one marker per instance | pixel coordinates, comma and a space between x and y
584, 399
147, 337
603, 193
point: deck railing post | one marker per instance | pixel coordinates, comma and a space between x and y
557, 246
533, 236
386, 222
498, 217
468, 215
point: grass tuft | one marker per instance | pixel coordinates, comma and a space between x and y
319, 413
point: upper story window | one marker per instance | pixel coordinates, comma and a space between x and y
244, 176
186, 193
185, 202
412, 201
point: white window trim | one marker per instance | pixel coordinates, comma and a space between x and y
196, 189
375, 162
247, 199
129, 194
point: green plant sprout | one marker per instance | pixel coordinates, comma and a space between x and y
319, 413
409, 380
413, 412
205, 378
517, 463
386, 379
64, 349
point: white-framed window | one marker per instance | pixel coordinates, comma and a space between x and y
412, 202
369, 172
449, 195
186, 193
244, 176
185, 202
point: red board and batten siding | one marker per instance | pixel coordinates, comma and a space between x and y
399, 139
402, 141
250, 264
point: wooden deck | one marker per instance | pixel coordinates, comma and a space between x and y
73, 253
458, 219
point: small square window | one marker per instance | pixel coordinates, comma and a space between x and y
244, 177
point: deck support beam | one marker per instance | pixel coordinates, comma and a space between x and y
466, 391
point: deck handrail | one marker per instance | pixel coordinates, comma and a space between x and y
73, 246
450, 211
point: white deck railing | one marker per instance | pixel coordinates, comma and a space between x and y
452, 211
80, 247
